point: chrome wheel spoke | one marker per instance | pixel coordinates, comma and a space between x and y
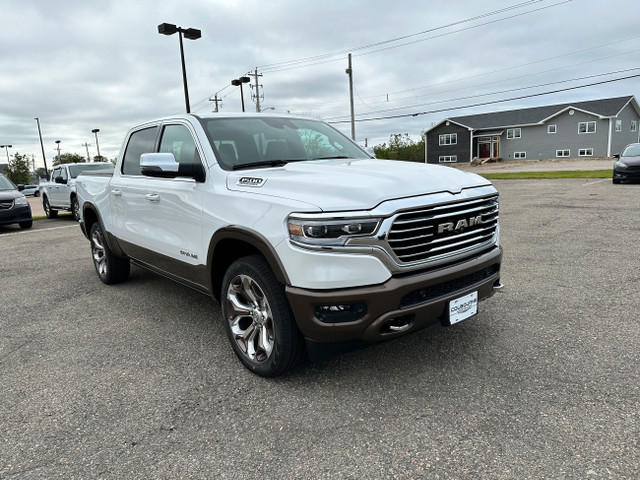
250, 318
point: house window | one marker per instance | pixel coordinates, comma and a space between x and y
585, 152
563, 153
519, 155
448, 158
618, 125
587, 127
552, 129
449, 139
634, 125
514, 133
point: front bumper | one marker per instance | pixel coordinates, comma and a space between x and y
626, 173
21, 213
398, 306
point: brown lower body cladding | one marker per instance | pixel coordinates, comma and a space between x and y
401, 305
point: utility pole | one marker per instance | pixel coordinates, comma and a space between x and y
46, 172
256, 96
86, 145
349, 72
216, 100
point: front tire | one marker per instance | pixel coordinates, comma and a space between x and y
258, 320
49, 212
110, 268
26, 224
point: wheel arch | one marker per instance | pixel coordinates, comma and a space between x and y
90, 216
231, 243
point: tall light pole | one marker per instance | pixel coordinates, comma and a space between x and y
58, 148
6, 147
238, 83
46, 172
191, 34
96, 130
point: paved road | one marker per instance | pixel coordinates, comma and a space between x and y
138, 381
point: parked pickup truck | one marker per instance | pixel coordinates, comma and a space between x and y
59, 193
307, 242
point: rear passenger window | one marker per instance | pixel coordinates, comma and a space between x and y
140, 142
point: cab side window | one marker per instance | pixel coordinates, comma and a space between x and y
177, 139
142, 141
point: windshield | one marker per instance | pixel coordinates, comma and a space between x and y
6, 184
75, 170
632, 151
274, 141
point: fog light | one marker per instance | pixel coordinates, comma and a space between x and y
340, 313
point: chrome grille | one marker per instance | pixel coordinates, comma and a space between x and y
6, 204
444, 230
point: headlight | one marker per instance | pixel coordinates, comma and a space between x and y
333, 232
21, 200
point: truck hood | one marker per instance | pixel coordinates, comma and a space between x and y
335, 185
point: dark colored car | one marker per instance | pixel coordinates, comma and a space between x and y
627, 167
14, 207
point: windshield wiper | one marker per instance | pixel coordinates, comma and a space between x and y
267, 163
331, 157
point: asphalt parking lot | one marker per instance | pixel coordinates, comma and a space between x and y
138, 381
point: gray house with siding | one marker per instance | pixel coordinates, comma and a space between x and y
596, 128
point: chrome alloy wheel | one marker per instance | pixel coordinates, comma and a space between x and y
98, 252
250, 318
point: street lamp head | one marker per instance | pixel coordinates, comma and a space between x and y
6, 146
192, 33
58, 141
167, 29
95, 130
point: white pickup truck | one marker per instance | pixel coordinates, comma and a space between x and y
59, 192
307, 242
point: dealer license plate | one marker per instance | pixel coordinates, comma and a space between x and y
462, 308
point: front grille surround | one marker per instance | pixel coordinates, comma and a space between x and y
429, 234
6, 204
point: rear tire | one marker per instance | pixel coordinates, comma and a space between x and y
616, 181
258, 319
110, 268
26, 224
49, 212
75, 208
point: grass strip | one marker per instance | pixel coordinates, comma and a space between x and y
548, 175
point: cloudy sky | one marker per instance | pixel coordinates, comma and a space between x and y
80, 65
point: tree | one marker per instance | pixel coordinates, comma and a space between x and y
18, 169
68, 158
401, 147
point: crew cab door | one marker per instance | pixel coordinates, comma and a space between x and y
57, 188
173, 209
127, 191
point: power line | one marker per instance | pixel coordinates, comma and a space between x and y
335, 56
493, 93
342, 52
491, 102
332, 57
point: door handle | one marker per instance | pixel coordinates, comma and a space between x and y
152, 197
116, 192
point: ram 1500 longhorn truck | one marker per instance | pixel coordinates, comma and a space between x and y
304, 239
59, 192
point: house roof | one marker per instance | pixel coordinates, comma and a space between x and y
606, 107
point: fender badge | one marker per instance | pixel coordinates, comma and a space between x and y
250, 182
